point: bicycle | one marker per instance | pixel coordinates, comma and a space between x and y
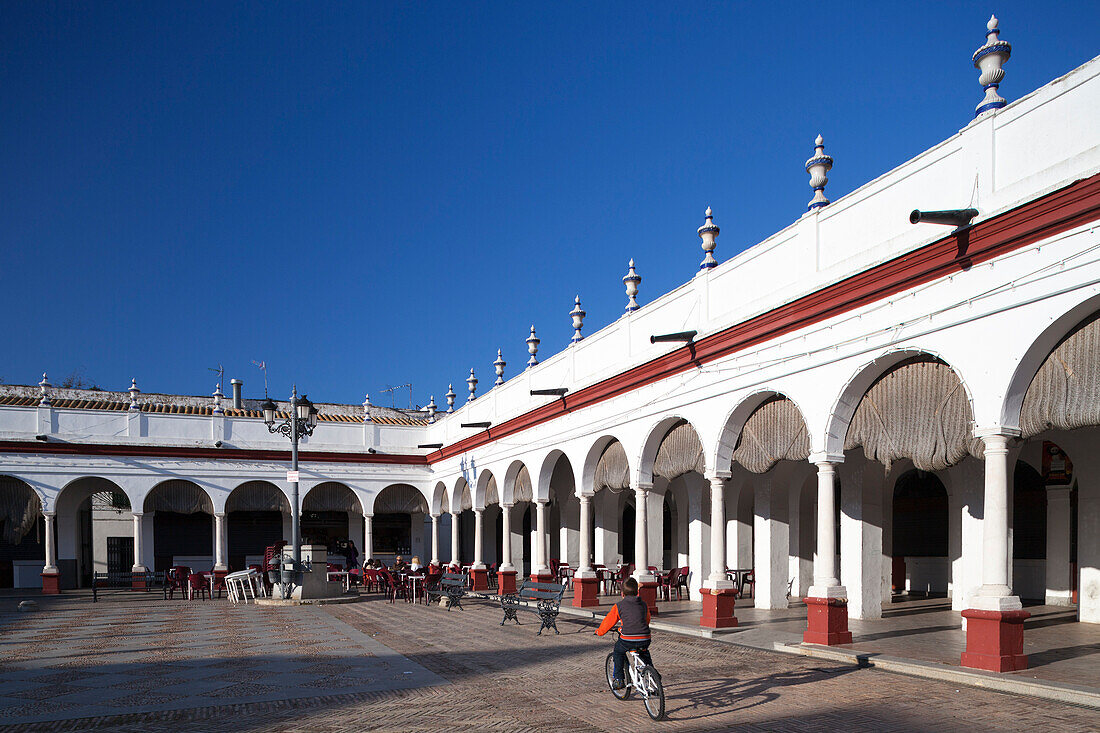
641, 677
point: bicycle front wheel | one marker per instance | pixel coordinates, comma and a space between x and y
655, 694
622, 694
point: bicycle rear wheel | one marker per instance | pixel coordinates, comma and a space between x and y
655, 693
622, 694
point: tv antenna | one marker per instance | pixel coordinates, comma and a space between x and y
263, 367
391, 389
221, 375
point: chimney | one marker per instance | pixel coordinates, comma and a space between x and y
238, 403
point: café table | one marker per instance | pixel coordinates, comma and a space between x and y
341, 575
414, 579
738, 575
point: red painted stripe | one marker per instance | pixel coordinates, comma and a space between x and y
1059, 211
224, 454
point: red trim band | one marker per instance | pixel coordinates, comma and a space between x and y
235, 454
1059, 211
1056, 212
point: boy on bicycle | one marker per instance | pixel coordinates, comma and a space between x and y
633, 614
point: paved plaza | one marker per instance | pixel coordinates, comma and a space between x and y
1059, 648
136, 663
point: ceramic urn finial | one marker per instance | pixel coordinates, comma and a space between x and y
990, 58
708, 233
632, 280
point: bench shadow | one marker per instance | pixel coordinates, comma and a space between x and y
719, 696
1053, 619
1049, 656
859, 638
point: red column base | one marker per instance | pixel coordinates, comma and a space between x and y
219, 580
543, 577
826, 622
718, 608
586, 592
479, 579
995, 640
648, 593
137, 581
506, 582
51, 584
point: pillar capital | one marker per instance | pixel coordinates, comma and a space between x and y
713, 476
996, 434
1059, 491
825, 457
49, 514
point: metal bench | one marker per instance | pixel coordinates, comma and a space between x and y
124, 581
453, 586
541, 598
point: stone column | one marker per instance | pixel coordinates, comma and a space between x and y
51, 545
506, 573
1059, 573
368, 536
221, 550
826, 607
51, 576
479, 575
479, 535
718, 592
220, 540
435, 540
995, 619
454, 537
138, 566
541, 570
585, 582
585, 540
647, 583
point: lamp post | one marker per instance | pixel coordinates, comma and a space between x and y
300, 422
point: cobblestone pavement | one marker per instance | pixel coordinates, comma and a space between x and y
472, 674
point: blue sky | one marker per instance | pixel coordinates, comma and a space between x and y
369, 194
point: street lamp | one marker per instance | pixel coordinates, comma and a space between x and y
300, 422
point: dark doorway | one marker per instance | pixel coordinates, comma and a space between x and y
626, 536
920, 516
392, 534
1029, 514
324, 528
177, 534
120, 554
527, 559
251, 533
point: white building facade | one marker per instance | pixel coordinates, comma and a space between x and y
857, 405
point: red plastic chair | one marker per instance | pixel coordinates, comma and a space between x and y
431, 582
668, 581
749, 579
196, 583
177, 580
394, 586
682, 581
